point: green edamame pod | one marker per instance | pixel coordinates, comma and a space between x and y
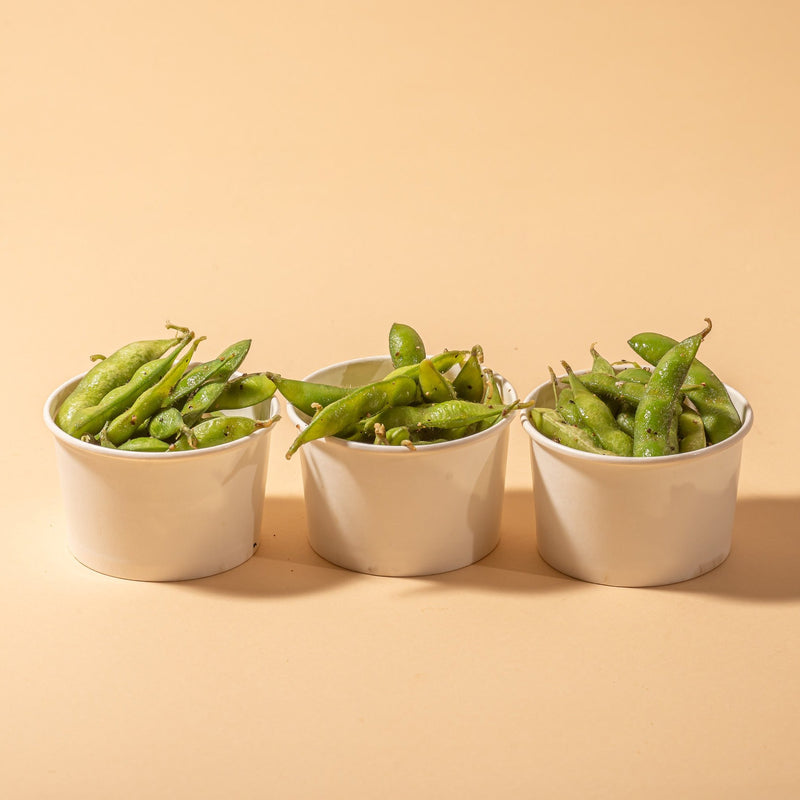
552, 425
624, 393
563, 400
445, 416
201, 401
691, 431
144, 444
625, 419
442, 361
110, 373
720, 417
221, 430
398, 436
305, 395
151, 400
344, 413
597, 417
168, 424
567, 407
468, 384
103, 439
635, 374
492, 396
554, 386
653, 425
673, 442
600, 364
435, 387
405, 345
245, 391
92, 418
220, 369
491, 388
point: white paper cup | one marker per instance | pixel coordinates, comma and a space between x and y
634, 521
392, 511
162, 516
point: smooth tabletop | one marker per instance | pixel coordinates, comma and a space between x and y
527, 176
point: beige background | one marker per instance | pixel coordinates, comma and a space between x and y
531, 176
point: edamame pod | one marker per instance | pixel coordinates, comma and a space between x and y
201, 401
600, 364
243, 392
468, 384
445, 416
405, 345
92, 418
635, 374
398, 436
563, 400
691, 432
221, 430
168, 424
626, 393
597, 417
653, 424
113, 371
720, 417
304, 395
552, 425
144, 444
442, 361
344, 413
435, 387
220, 369
151, 400
625, 419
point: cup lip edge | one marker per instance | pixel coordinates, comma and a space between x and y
106, 452
396, 451
636, 463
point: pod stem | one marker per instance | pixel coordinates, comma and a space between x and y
267, 423
179, 328
380, 433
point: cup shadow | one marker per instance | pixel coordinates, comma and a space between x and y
284, 564
514, 566
764, 564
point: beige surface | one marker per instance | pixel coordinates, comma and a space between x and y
532, 176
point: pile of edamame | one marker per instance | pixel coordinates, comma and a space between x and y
416, 404
149, 397
677, 406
